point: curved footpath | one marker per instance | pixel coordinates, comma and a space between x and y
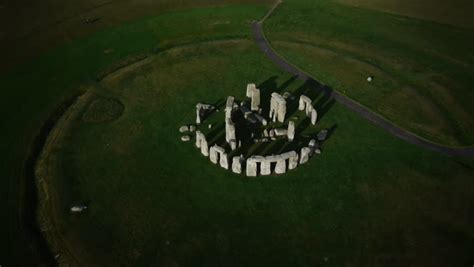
349, 103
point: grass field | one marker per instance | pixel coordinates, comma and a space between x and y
369, 200
30, 28
37, 88
456, 12
422, 70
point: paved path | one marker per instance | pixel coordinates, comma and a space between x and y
351, 104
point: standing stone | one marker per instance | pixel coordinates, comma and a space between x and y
314, 116
233, 144
251, 167
199, 137
204, 147
213, 154
305, 152
280, 165
265, 167
292, 160
224, 161
183, 129
237, 164
198, 115
291, 131
304, 102
254, 93
192, 128
277, 108
281, 111
229, 106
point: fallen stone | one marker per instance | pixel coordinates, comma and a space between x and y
322, 135
281, 132
185, 138
183, 129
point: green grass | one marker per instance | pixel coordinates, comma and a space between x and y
29, 30
33, 90
456, 12
423, 70
369, 200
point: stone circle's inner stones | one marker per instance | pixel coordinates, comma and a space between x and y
192, 128
305, 104
183, 129
237, 164
254, 93
202, 110
261, 119
248, 114
230, 133
280, 131
277, 108
314, 116
304, 156
185, 138
229, 106
291, 131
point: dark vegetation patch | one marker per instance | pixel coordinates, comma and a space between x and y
103, 110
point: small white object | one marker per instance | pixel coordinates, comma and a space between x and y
183, 129
78, 209
369, 79
209, 126
185, 138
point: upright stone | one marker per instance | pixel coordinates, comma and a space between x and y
292, 158
199, 137
237, 164
280, 165
254, 93
229, 106
314, 116
277, 108
224, 161
204, 147
305, 152
291, 131
265, 167
304, 102
198, 115
213, 154
251, 167
281, 110
229, 130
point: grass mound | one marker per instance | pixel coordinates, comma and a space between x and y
103, 110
